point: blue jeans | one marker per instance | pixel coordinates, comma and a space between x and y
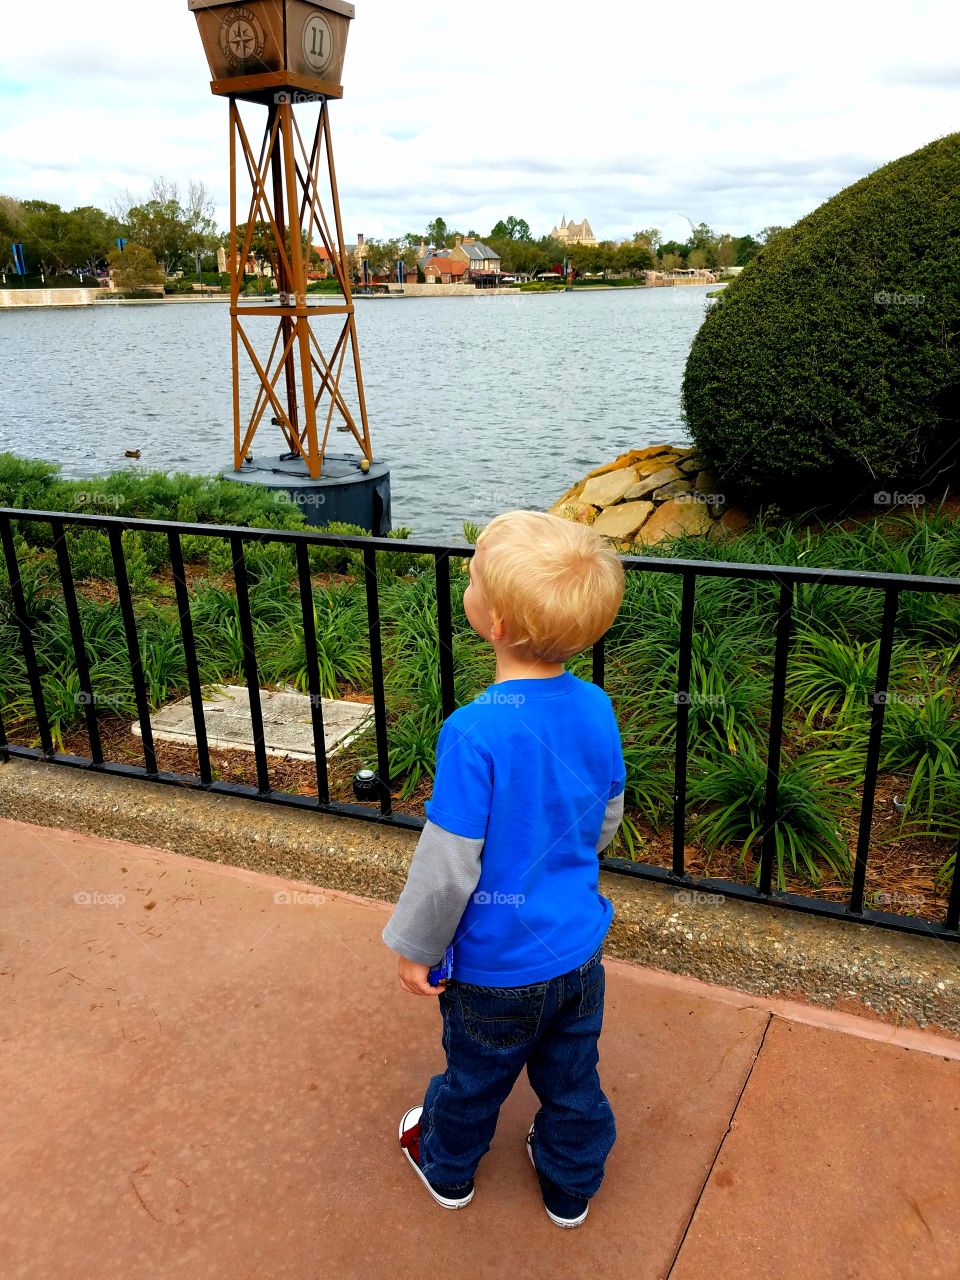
489, 1035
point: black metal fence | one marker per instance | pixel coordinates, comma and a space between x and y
785, 577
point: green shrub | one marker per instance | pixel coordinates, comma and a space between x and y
25, 483
220, 556
413, 745
831, 362
336, 559
270, 561
649, 786
147, 495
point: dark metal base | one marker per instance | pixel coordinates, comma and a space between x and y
343, 494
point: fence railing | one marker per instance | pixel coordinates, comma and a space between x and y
786, 578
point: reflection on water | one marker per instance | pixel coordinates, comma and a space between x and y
477, 404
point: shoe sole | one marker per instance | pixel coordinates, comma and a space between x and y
408, 1121
560, 1222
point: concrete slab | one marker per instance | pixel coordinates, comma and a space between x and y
843, 1162
287, 721
778, 957
203, 1078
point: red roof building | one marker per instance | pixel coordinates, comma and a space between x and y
445, 270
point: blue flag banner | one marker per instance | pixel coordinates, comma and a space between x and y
399, 271
18, 260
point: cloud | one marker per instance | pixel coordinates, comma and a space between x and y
545, 115
923, 77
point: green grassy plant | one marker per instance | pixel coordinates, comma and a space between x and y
922, 736
806, 831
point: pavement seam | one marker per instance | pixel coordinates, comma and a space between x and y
877, 1031
716, 1156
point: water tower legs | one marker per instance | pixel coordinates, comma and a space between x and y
285, 218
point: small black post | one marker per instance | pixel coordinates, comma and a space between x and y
781, 654
448, 699
376, 675
250, 661
683, 716
879, 703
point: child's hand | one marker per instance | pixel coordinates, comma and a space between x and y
413, 978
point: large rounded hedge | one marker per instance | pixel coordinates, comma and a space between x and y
831, 363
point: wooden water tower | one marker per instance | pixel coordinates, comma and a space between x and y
285, 54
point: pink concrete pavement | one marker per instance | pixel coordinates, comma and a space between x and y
201, 1076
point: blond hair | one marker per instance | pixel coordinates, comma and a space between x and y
556, 584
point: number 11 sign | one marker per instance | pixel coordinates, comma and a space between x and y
290, 40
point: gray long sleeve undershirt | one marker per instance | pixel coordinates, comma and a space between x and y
443, 874
611, 821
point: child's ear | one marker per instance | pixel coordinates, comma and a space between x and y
498, 629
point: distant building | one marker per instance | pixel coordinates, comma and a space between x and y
445, 270
252, 268
319, 265
470, 261
684, 275
482, 261
574, 233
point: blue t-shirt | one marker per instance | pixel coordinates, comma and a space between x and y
530, 765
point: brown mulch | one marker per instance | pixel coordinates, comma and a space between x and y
196, 575
97, 589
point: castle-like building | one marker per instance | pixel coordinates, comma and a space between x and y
574, 233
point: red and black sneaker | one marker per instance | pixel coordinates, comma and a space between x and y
563, 1209
449, 1197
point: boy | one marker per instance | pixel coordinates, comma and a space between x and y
528, 791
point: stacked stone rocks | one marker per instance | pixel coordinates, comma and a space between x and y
648, 494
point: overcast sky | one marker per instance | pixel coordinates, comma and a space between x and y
634, 115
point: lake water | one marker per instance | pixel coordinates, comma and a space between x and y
478, 405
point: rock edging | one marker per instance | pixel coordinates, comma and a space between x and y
645, 495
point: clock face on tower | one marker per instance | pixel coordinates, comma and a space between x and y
241, 38
317, 43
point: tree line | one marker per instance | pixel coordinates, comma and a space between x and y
522, 253
169, 227
165, 232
